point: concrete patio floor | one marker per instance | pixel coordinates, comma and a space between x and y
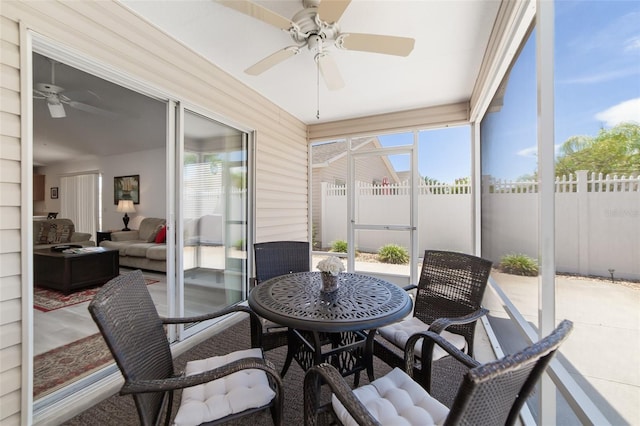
602, 351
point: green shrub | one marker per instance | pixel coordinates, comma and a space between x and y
339, 246
393, 253
519, 264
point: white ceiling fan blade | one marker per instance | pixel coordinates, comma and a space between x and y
91, 109
256, 11
389, 45
272, 60
330, 11
83, 96
330, 72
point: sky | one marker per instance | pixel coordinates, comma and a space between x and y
597, 85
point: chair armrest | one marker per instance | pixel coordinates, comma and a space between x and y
125, 235
181, 382
409, 287
328, 374
79, 236
431, 339
208, 316
442, 323
255, 324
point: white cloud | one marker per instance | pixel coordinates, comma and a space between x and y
601, 77
624, 111
632, 44
532, 151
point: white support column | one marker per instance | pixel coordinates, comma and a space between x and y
415, 212
546, 194
351, 209
476, 189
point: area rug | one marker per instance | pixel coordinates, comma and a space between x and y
46, 300
60, 366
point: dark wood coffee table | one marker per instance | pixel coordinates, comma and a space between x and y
68, 272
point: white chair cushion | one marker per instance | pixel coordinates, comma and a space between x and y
395, 399
232, 394
399, 332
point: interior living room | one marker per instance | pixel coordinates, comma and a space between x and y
83, 164
236, 105
78, 154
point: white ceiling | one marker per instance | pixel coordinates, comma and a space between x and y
451, 38
138, 122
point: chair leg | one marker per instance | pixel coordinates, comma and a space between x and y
169, 401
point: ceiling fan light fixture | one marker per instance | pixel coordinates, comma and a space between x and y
56, 110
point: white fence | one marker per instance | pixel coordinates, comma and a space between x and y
597, 220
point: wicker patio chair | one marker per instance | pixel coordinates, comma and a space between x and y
128, 320
272, 259
447, 301
490, 394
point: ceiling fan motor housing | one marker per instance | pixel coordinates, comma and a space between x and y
307, 23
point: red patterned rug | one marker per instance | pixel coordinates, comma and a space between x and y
60, 366
46, 300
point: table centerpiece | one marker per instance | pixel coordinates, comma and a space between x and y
330, 269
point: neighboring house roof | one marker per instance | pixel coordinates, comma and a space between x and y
325, 153
404, 176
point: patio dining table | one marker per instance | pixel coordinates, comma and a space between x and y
337, 327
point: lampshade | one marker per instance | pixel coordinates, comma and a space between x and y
125, 206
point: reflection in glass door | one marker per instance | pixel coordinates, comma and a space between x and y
213, 212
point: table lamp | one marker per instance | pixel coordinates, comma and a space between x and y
126, 206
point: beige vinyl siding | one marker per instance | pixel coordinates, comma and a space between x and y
108, 33
282, 184
10, 264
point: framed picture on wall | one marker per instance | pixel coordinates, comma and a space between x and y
54, 192
126, 188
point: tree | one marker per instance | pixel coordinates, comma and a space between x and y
612, 151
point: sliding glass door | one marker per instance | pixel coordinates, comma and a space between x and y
212, 211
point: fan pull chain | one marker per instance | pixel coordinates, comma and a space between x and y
318, 89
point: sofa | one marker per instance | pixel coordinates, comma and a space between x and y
144, 248
53, 232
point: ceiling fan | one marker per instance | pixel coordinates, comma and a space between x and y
56, 99
314, 27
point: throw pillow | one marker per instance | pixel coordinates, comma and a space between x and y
43, 234
162, 235
62, 234
152, 236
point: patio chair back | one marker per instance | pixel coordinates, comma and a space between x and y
272, 259
130, 325
276, 258
494, 393
451, 285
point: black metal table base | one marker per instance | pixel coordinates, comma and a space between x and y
349, 352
